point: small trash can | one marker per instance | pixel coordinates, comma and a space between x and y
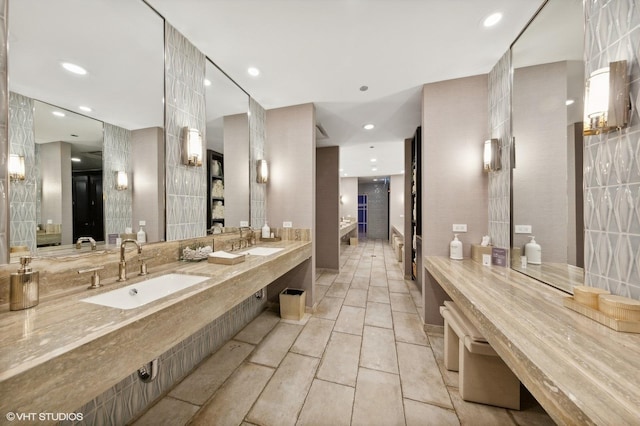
292, 303
353, 241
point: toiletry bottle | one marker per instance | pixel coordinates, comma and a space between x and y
266, 231
24, 286
533, 252
455, 248
142, 235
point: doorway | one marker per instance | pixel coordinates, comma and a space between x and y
88, 216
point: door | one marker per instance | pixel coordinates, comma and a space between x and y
88, 219
362, 214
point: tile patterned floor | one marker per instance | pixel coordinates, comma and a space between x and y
361, 359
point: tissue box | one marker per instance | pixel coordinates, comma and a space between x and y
477, 251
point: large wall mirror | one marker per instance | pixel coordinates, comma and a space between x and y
227, 137
59, 112
547, 113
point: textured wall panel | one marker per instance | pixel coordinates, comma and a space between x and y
117, 203
257, 137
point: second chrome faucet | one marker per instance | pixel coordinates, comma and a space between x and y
122, 267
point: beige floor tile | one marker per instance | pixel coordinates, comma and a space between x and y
328, 404
340, 361
328, 308
350, 320
408, 328
420, 375
378, 281
363, 272
420, 414
378, 315
338, 289
397, 286
378, 294
402, 302
285, 393
255, 331
437, 346
379, 350
344, 276
530, 413
199, 385
474, 414
313, 338
320, 291
326, 278
168, 411
378, 399
394, 274
356, 297
360, 282
416, 295
236, 397
275, 346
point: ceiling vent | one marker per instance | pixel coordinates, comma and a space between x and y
320, 132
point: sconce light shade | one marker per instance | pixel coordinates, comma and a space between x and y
122, 180
191, 147
16, 167
492, 155
262, 168
606, 105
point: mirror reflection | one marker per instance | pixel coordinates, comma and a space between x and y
547, 110
97, 62
227, 137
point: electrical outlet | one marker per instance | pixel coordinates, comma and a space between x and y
522, 229
459, 227
287, 224
244, 223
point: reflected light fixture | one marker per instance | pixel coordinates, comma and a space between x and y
262, 168
492, 19
76, 69
253, 71
491, 155
607, 105
191, 147
16, 167
122, 180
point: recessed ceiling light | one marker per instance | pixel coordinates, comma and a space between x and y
402, 172
253, 71
346, 174
492, 19
84, 108
76, 69
368, 126
373, 160
342, 170
58, 113
374, 169
207, 82
569, 102
75, 159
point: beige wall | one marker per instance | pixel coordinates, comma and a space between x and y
396, 203
236, 170
57, 204
349, 192
454, 187
327, 208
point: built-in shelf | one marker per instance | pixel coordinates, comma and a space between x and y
215, 188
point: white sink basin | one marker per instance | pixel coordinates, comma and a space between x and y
136, 295
262, 251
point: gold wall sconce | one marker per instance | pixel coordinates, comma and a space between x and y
122, 180
606, 102
492, 154
16, 167
262, 175
191, 147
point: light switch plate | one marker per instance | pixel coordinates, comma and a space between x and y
522, 229
459, 227
244, 223
287, 224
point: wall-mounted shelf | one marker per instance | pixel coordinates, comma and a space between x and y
215, 189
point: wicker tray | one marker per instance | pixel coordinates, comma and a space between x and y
270, 240
594, 314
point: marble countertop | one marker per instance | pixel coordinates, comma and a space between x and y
79, 350
560, 275
580, 371
347, 228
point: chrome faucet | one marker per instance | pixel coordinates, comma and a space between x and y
250, 238
122, 267
86, 240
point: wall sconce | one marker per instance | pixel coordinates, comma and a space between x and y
262, 168
122, 180
341, 199
492, 155
16, 167
191, 147
607, 105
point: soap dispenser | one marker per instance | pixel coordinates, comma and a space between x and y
24, 285
141, 236
266, 231
533, 252
455, 248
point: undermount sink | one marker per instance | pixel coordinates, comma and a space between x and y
262, 251
139, 294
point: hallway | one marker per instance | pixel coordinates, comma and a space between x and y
362, 359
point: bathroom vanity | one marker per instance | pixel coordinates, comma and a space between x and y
581, 372
63, 353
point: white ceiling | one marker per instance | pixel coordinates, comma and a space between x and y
318, 51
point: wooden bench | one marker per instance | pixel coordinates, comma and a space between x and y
483, 377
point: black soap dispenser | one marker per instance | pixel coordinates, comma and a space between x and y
24, 286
